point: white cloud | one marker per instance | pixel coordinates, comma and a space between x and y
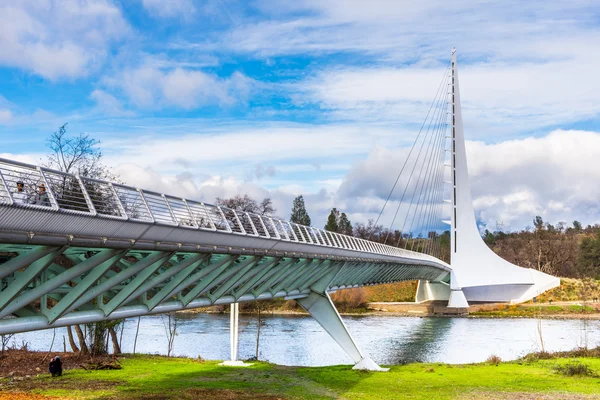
151, 86
412, 31
553, 176
237, 148
507, 98
5, 115
170, 9
58, 39
108, 104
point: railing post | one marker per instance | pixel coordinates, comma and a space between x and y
86, 195
8, 193
170, 210
141, 192
212, 223
119, 203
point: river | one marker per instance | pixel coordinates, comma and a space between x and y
299, 340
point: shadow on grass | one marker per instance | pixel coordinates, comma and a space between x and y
155, 377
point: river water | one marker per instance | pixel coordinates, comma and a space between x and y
299, 340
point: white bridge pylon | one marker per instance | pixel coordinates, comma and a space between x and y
478, 274
90, 250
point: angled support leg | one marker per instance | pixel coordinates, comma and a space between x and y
457, 296
321, 308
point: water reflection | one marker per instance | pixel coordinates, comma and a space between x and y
419, 343
299, 340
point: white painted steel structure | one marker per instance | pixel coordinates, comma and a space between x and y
478, 274
94, 250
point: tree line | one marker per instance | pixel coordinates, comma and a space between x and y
561, 250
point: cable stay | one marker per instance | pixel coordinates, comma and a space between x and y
419, 192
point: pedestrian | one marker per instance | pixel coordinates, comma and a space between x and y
55, 366
20, 196
41, 198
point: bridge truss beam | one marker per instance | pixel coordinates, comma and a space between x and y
52, 286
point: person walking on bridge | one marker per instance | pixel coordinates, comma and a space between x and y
41, 198
20, 196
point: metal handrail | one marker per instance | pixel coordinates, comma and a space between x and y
283, 230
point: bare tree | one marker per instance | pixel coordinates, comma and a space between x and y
248, 204
170, 323
136, 334
5, 340
77, 154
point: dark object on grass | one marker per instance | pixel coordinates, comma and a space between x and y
55, 366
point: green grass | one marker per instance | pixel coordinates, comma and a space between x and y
157, 377
534, 311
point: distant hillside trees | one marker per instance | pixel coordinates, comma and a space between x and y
556, 249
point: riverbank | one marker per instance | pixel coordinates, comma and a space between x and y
555, 310
156, 377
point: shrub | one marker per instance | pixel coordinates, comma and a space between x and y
574, 369
349, 299
494, 359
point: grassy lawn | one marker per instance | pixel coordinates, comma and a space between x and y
534, 311
154, 377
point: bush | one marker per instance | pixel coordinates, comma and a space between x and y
574, 369
350, 299
494, 359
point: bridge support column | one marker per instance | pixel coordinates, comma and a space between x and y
457, 296
234, 338
322, 309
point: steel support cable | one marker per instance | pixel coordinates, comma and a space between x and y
440, 190
432, 184
423, 220
436, 245
439, 244
414, 167
416, 162
413, 146
422, 163
440, 206
426, 216
433, 196
422, 199
410, 180
426, 183
431, 224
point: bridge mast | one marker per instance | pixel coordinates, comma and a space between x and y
453, 234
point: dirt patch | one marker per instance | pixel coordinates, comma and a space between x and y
526, 396
29, 384
23, 363
193, 394
28, 396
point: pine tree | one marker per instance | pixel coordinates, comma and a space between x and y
332, 221
299, 214
344, 225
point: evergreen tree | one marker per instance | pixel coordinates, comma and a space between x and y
332, 221
538, 222
344, 225
299, 214
589, 257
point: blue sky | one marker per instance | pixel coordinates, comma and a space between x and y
271, 98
